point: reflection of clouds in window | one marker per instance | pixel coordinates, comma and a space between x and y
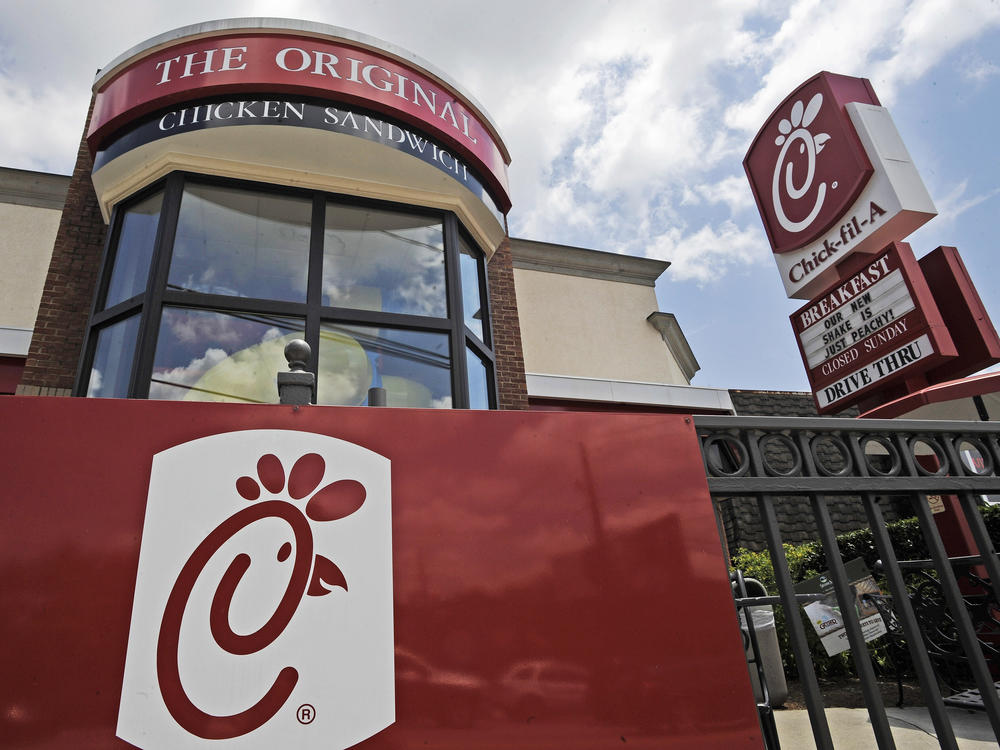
238, 240
166, 384
423, 296
412, 366
193, 328
212, 356
247, 375
381, 260
94, 388
241, 243
135, 250
112, 365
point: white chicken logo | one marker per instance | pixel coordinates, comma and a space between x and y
790, 131
263, 606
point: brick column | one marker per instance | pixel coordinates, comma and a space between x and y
69, 288
511, 387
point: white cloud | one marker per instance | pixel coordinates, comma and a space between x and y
625, 122
734, 191
708, 254
841, 37
980, 70
954, 204
924, 40
38, 124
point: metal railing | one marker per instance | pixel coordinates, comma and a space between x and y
821, 459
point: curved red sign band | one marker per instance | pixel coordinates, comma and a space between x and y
181, 708
259, 64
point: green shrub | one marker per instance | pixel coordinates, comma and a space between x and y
808, 560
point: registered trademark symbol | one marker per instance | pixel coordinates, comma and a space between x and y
306, 713
834, 186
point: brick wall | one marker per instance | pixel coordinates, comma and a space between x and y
69, 288
506, 327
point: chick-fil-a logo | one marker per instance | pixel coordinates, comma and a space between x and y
791, 131
806, 166
263, 611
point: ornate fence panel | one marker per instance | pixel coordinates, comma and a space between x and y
767, 458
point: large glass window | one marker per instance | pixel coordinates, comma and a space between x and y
414, 367
112, 363
244, 243
136, 241
383, 260
479, 382
206, 355
472, 297
209, 280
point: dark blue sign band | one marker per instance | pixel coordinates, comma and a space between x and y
333, 117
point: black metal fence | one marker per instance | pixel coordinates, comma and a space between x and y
943, 618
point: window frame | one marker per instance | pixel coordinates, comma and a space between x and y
150, 304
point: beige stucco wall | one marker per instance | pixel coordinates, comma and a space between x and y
26, 248
587, 327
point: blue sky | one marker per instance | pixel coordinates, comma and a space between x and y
627, 123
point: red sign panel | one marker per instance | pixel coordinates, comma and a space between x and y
280, 63
329, 577
806, 166
963, 312
877, 324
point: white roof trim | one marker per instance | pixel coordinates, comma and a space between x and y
572, 388
15, 341
532, 255
23, 187
677, 343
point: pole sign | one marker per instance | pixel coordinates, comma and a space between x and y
831, 177
871, 328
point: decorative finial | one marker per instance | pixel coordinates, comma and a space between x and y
298, 386
298, 353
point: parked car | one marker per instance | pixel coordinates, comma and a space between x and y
543, 688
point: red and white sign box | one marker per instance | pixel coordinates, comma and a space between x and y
963, 312
832, 177
182, 575
878, 324
252, 61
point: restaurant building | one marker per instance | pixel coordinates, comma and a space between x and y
402, 577
243, 183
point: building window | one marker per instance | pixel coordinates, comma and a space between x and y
205, 281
